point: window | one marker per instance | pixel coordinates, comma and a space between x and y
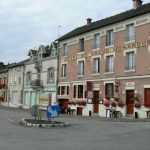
64, 49
81, 45
130, 32
96, 65
130, 60
53, 52
96, 41
28, 78
74, 90
63, 90
5, 80
80, 91
109, 90
109, 63
64, 70
15, 79
109, 38
11, 79
20, 79
50, 74
0, 80
81, 68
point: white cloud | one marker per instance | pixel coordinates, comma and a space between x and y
28, 23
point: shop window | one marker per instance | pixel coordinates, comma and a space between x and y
74, 91
62, 90
80, 91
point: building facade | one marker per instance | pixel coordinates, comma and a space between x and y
15, 84
40, 75
105, 64
3, 83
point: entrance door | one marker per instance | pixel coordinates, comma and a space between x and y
79, 111
96, 101
130, 101
147, 96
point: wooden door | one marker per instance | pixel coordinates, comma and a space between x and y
79, 111
96, 101
147, 96
130, 101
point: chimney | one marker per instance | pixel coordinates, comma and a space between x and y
137, 4
89, 21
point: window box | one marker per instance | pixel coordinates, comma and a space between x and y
106, 103
81, 102
113, 104
120, 104
147, 105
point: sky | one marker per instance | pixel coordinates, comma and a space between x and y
26, 24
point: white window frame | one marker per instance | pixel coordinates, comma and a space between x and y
96, 40
130, 32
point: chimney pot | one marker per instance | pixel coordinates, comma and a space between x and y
137, 3
89, 21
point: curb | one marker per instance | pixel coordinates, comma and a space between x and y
26, 124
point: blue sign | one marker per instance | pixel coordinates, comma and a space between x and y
53, 111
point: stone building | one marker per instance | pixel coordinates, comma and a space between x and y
105, 64
15, 84
40, 75
3, 83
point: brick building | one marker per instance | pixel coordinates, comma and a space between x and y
106, 64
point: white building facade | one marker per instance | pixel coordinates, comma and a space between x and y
40, 75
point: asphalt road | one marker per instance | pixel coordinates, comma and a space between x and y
84, 134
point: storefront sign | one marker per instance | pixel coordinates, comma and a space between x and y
129, 84
110, 50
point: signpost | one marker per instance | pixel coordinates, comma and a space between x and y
53, 111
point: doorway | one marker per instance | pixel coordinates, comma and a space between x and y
130, 102
96, 101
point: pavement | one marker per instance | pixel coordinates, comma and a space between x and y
85, 133
122, 119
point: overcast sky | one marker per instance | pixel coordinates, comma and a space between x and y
26, 24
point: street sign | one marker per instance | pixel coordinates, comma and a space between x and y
53, 111
43, 101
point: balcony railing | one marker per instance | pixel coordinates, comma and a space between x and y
38, 65
36, 84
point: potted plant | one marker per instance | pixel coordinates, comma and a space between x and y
136, 101
116, 99
113, 104
120, 104
106, 103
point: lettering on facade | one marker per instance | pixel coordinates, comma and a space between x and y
109, 50
130, 84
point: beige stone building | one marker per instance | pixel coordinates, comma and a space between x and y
15, 84
40, 75
105, 65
